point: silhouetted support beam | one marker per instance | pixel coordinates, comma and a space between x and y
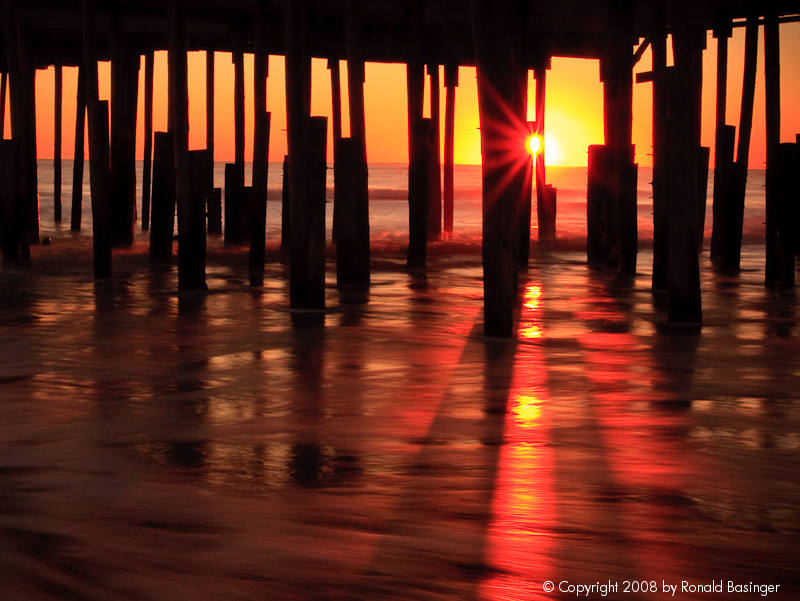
192, 222
772, 80
545, 213
124, 97
210, 106
731, 234
660, 213
680, 156
23, 114
191, 207
238, 110
450, 85
494, 53
722, 159
13, 241
307, 263
418, 187
524, 244
261, 123
214, 212
336, 108
285, 212
3, 92
162, 222
355, 87
77, 164
99, 175
57, 110
782, 215
598, 198
234, 205
352, 242
148, 139
435, 182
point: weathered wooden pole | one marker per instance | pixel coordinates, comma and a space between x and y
336, 109
598, 198
772, 80
358, 129
238, 111
77, 165
492, 21
148, 139
658, 45
57, 120
214, 209
285, 213
23, 114
722, 159
450, 85
731, 239
99, 174
234, 205
435, 182
524, 243
210, 105
124, 97
191, 208
261, 123
418, 187
784, 216
680, 156
523, 186
13, 241
544, 212
162, 223
352, 243
3, 91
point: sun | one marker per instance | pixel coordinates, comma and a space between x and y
533, 144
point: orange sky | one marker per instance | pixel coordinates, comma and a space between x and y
574, 105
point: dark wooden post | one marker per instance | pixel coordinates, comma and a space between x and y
57, 109
124, 97
234, 205
23, 114
784, 215
680, 156
285, 212
731, 240
435, 182
238, 111
210, 107
148, 139
77, 165
544, 212
450, 84
418, 186
524, 244
192, 222
660, 213
598, 197
355, 86
99, 175
13, 241
494, 53
352, 243
162, 224
772, 79
307, 263
191, 209
261, 122
214, 211
3, 91
721, 159
336, 108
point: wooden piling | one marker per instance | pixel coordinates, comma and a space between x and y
124, 97
782, 215
57, 121
598, 195
210, 106
450, 84
234, 205
307, 263
772, 75
191, 212
214, 212
192, 223
3, 92
99, 176
721, 160
13, 241
238, 111
336, 109
352, 242
162, 222
148, 139
77, 165
285, 212
435, 180
418, 187
495, 59
545, 213
660, 212
524, 243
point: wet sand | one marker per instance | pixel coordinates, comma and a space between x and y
219, 447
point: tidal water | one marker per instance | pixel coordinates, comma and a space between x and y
220, 447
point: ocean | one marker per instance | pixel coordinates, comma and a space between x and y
388, 191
